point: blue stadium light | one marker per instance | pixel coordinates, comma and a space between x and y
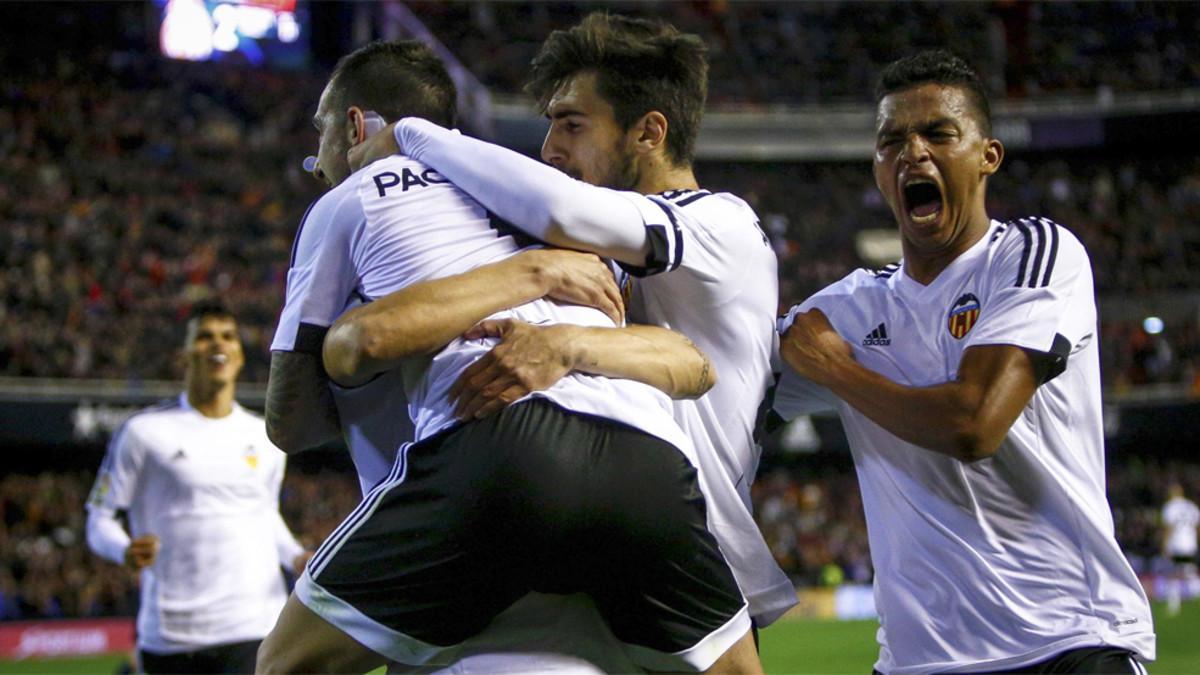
1152, 325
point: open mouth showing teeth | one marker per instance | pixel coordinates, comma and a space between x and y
924, 201
218, 358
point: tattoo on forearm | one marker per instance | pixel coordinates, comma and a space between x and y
298, 398
704, 372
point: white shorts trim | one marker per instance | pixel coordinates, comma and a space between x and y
365, 630
700, 657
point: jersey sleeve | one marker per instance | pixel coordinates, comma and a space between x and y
794, 395
712, 239
535, 197
1039, 295
321, 275
114, 490
117, 481
286, 545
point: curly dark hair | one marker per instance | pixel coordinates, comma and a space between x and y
937, 66
641, 65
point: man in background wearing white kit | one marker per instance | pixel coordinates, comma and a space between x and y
1180, 518
199, 482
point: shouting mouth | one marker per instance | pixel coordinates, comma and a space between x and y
923, 200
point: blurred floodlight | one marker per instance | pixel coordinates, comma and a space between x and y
289, 29
878, 247
187, 31
1152, 325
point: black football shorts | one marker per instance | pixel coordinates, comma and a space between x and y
535, 498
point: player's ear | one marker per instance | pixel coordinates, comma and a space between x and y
652, 131
993, 155
356, 131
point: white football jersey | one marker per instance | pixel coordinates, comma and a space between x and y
1003, 562
397, 223
1182, 517
209, 490
713, 277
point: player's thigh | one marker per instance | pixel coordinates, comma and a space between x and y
303, 642
425, 561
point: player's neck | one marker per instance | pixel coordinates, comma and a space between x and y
925, 266
662, 176
211, 399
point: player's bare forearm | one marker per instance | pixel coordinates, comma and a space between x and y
423, 318
661, 358
966, 418
300, 411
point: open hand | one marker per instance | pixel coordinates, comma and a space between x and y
528, 358
579, 278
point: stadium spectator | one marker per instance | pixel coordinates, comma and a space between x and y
791, 52
199, 484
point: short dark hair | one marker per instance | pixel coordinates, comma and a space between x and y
937, 66
641, 65
396, 79
209, 308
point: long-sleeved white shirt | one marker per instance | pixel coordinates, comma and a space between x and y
209, 490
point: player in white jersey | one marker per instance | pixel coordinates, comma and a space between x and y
539, 498
199, 482
704, 267
969, 387
1180, 520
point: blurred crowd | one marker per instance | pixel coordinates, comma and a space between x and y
47, 570
812, 520
130, 187
817, 52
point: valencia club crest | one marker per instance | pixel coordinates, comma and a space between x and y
963, 315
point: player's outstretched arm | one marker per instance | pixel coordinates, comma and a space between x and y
300, 410
539, 199
423, 318
966, 418
532, 358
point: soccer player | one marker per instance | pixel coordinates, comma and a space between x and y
586, 487
1180, 519
624, 98
969, 387
199, 482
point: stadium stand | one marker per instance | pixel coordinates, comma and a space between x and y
132, 186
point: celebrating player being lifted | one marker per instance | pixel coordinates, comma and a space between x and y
587, 487
624, 98
969, 387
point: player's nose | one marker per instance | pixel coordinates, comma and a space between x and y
915, 149
552, 153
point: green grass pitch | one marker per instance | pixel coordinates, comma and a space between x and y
804, 646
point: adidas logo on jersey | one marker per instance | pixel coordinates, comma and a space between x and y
877, 337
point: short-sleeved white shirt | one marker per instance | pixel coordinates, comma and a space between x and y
396, 223
1006, 561
713, 277
1182, 517
209, 490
